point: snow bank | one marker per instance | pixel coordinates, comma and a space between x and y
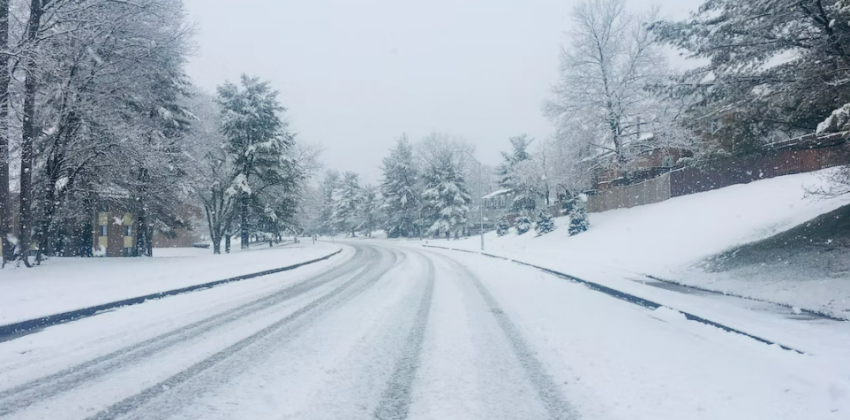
667, 239
680, 231
64, 284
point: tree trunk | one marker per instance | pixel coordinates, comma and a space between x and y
243, 221
216, 243
149, 243
141, 228
227, 243
5, 205
28, 138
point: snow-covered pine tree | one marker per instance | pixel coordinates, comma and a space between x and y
779, 65
330, 184
399, 190
349, 196
445, 194
513, 174
544, 223
523, 224
503, 227
578, 216
256, 138
370, 206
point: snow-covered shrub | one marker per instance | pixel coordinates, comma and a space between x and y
578, 217
837, 122
503, 227
686, 161
523, 224
544, 223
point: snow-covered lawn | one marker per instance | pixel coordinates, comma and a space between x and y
662, 237
667, 239
64, 284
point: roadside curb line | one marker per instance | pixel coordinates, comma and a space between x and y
721, 293
624, 296
9, 331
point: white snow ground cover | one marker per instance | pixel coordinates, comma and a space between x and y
65, 284
621, 361
666, 239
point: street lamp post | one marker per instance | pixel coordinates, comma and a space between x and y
480, 192
419, 222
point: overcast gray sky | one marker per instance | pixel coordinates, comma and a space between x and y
355, 75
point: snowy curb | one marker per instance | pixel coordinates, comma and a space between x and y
624, 296
11, 331
718, 292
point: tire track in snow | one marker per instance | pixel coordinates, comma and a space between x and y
22, 396
396, 399
550, 394
296, 322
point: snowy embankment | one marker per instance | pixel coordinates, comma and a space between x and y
668, 239
65, 284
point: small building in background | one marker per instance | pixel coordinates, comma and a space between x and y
114, 233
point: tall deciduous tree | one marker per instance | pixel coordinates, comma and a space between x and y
29, 129
5, 203
606, 69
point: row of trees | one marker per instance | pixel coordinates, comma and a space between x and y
89, 111
424, 191
608, 100
248, 171
768, 70
96, 111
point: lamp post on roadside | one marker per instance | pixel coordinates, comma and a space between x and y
419, 222
480, 192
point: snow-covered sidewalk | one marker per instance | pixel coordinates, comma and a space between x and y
65, 284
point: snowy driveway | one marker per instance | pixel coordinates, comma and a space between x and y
389, 331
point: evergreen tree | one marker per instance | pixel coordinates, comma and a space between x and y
502, 227
369, 210
544, 223
780, 65
349, 196
578, 216
511, 176
523, 224
399, 189
445, 195
330, 183
256, 138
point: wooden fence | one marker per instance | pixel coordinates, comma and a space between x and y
647, 192
719, 173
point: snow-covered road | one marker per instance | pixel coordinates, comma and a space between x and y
389, 331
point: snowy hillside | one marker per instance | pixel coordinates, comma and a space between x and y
667, 239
